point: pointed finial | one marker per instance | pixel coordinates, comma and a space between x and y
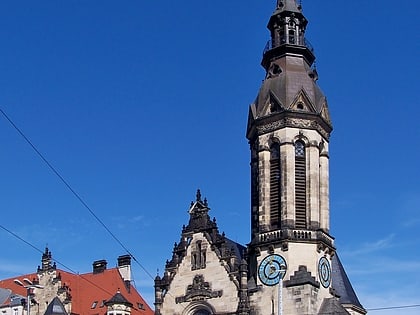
198, 195
205, 202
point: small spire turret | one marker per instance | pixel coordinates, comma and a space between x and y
287, 27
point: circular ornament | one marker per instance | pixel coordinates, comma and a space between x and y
271, 269
324, 270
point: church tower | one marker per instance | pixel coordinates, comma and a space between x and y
290, 266
289, 128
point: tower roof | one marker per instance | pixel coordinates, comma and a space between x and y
289, 90
342, 285
55, 308
118, 298
332, 306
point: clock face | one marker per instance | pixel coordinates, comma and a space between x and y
324, 270
272, 268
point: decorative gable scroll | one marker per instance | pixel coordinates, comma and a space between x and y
199, 290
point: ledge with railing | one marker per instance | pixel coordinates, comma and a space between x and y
295, 234
288, 41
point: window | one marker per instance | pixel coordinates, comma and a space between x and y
300, 185
202, 312
292, 37
292, 32
198, 257
275, 191
282, 37
94, 304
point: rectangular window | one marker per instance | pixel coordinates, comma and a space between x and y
300, 185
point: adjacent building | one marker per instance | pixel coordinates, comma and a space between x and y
104, 291
290, 265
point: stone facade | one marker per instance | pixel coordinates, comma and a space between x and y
204, 274
290, 265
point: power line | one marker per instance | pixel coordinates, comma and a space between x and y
86, 206
393, 307
75, 194
101, 288
58, 262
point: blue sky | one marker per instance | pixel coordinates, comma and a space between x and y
139, 103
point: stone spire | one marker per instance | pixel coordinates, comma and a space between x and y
288, 5
290, 86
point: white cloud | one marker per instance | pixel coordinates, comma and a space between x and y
11, 268
369, 247
387, 265
392, 302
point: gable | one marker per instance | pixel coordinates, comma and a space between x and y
302, 103
201, 276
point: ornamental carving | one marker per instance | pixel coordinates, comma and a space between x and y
292, 122
199, 290
270, 127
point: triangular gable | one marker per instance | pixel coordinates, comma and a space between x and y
56, 308
325, 113
271, 105
302, 102
332, 306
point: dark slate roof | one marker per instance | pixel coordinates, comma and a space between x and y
55, 308
4, 295
238, 249
332, 306
341, 284
118, 298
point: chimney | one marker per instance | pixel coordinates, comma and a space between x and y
99, 266
124, 267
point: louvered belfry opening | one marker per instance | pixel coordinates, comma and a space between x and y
300, 185
275, 186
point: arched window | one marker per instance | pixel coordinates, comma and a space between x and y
202, 312
292, 37
275, 186
300, 185
282, 35
198, 256
292, 32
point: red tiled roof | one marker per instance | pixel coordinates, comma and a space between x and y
89, 288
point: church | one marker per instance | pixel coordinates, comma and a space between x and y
290, 265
